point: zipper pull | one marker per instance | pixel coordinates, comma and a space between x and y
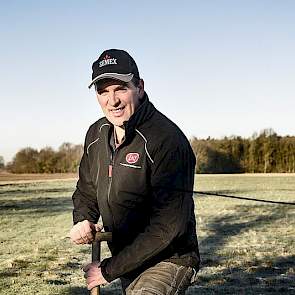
110, 170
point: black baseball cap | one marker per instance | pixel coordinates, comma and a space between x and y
114, 64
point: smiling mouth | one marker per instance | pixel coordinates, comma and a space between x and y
118, 111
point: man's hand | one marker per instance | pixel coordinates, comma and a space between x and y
93, 275
83, 232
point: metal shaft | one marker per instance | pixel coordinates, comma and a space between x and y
95, 256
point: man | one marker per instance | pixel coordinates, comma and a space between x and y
137, 173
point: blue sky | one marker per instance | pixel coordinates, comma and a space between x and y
216, 68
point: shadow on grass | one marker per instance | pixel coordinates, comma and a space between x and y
36, 191
245, 217
257, 279
35, 198
35, 205
271, 275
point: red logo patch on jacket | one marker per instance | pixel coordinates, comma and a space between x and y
132, 158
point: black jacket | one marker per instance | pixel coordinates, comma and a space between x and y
140, 190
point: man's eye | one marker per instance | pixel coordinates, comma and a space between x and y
101, 92
122, 89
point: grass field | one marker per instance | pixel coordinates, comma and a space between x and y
246, 247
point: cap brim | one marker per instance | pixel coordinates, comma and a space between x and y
121, 77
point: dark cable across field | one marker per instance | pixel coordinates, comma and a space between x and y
243, 198
233, 197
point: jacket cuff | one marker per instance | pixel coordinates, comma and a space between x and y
106, 275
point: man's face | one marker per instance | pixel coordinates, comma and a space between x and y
118, 100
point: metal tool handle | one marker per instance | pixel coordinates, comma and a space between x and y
95, 256
103, 236
95, 291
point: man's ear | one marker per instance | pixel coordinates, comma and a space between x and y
140, 88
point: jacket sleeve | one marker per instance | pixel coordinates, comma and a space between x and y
84, 197
172, 174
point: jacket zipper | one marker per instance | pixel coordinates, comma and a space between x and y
110, 174
110, 179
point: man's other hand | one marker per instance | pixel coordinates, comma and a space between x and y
93, 275
83, 232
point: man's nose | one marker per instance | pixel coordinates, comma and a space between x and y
113, 99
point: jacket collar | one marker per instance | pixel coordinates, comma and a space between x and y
143, 113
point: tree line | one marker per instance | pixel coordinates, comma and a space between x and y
266, 152
47, 160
